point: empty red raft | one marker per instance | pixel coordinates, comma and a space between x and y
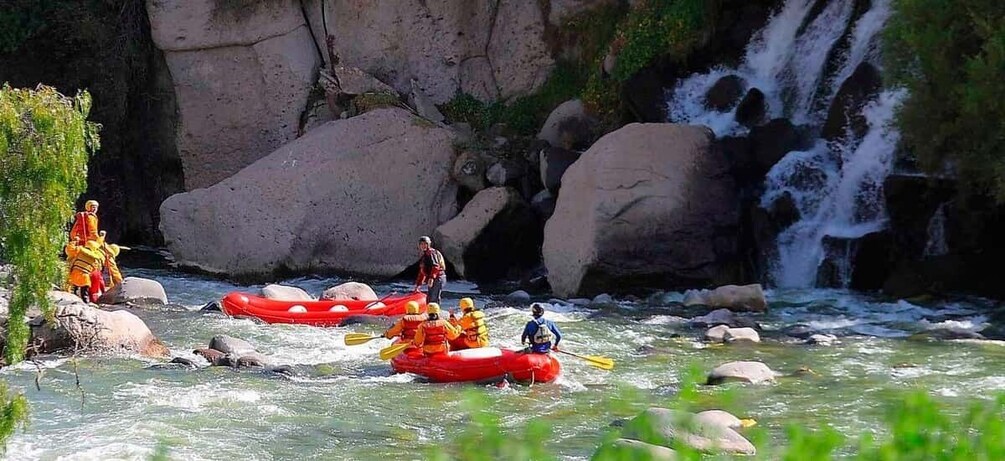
327, 313
484, 364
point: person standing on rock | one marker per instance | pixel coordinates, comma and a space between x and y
434, 335
84, 260
432, 270
542, 334
85, 224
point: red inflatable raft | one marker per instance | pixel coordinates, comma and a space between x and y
484, 364
328, 313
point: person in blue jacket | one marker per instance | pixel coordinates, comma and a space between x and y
542, 334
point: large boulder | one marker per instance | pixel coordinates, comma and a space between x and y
569, 126
80, 327
285, 293
845, 114
746, 372
135, 290
661, 426
497, 230
725, 93
350, 290
746, 298
555, 161
647, 204
344, 197
489, 49
242, 74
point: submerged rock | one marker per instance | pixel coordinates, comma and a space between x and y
213, 356
748, 372
821, 340
231, 345
945, 334
135, 290
665, 427
285, 293
518, 297
799, 330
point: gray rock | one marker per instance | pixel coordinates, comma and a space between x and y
569, 126
822, 340
285, 293
603, 300
720, 418
946, 334
505, 172
716, 334
350, 290
423, 105
799, 330
213, 356
253, 359
355, 81
543, 203
716, 317
81, 327
231, 345
135, 290
518, 297
748, 372
665, 427
733, 297
742, 335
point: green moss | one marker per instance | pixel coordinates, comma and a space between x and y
950, 56
366, 102
660, 27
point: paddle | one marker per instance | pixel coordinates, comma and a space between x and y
380, 300
603, 363
393, 350
355, 339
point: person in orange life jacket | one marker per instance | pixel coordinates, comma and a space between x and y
408, 325
474, 332
434, 335
85, 224
432, 270
542, 334
111, 252
83, 260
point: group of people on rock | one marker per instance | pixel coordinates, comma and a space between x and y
438, 336
89, 255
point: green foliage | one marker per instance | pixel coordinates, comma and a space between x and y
13, 413
44, 144
657, 27
950, 56
17, 25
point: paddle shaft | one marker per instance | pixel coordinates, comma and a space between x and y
380, 300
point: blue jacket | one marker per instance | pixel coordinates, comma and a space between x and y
531, 329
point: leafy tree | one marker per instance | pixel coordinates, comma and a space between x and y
950, 55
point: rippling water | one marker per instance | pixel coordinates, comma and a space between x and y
345, 404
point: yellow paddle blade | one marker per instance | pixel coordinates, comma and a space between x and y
747, 422
391, 352
355, 339
603, 363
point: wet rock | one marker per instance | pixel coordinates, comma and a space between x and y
716, 317
212, 306
252, 360
945, 334
135, 290
469, 171
747, 372
770, 142
518, 297
80, 327
665, 427
184, 362
554, 162
720, 418
471, 241
350, 290
634, 449
725, 93
602, 300
716, 334
799, 330
733, 297
213, 356
733, 335
753, 109
845, 114
784, 211
285, 293
821, 340
543, 203
231, 345
569, 126
580, 302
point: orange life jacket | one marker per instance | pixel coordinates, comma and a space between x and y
410, 325
435, 340
82, 230
476, 333
83, 262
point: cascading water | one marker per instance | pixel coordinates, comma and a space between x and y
799, 60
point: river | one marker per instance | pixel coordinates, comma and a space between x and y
345, 404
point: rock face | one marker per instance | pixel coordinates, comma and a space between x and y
351, 290
286, 293
325, 201
661, 426
747, 372
80, 327
241, 78
568, 126
736, 298
845, 113
647, 204
135, 290
487, 48
496, 230
555, 161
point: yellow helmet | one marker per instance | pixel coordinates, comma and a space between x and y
433, 308
412, 307
114, 250
466, 304
90, 205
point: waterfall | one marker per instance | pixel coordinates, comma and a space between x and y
936, 245
799, 60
